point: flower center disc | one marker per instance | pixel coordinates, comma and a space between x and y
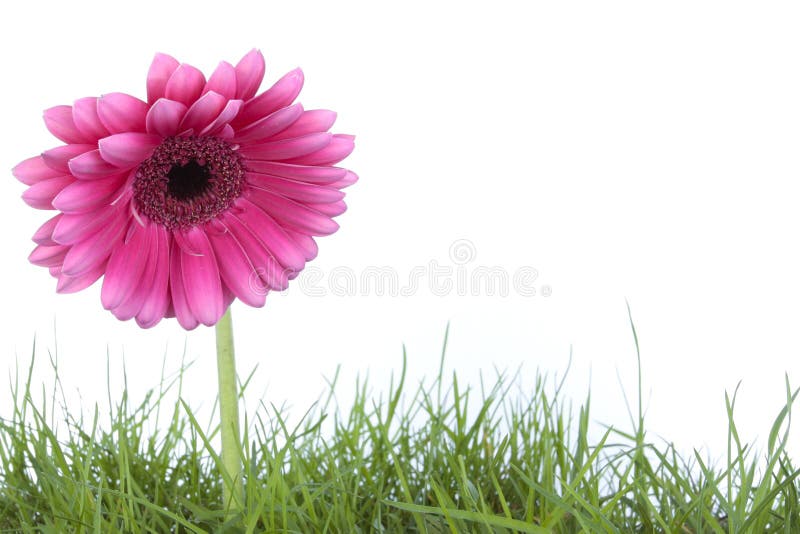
188, 181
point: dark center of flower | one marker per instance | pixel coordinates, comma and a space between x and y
188, 181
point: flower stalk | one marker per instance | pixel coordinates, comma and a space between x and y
231, 467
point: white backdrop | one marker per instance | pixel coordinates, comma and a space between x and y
619, 149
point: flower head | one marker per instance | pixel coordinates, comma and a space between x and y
204, 193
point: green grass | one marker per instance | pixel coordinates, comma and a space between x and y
434, 457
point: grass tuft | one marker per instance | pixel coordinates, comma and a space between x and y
436, 458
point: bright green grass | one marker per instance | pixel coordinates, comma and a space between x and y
435, 458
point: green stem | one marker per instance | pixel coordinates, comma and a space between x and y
229, 415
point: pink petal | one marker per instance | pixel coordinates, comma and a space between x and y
301, 173
339, 148
122, 113
138, 294
271, 274
270, 233
220, 127
88, 195
237, 271
315, 120
203, 111
305, 242
287, 148
349, 179
297, 216
34, 170
157, 298
41, 194
125, 268
92, 251
299, 191
160, 71
276, 97
45, 256
185, 244
59, 121
71, 284
57, 158
164, 117
223, 81
185, 84
270, 125
227, 297
72, 228
180, 305
44, 235
127, 150
331, 210
201, 280
226, 132
249, 73
84, 113
91, 166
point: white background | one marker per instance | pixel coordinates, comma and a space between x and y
622, 149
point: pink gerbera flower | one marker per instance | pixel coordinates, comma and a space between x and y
205, 193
